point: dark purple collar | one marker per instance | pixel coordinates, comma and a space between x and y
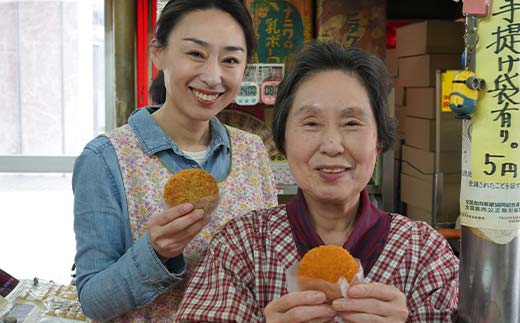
367, 238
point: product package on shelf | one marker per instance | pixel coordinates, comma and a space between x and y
38, 300
281, 28
353, 23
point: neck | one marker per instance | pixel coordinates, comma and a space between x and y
333, 222
188, 134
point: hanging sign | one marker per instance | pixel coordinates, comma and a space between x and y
490, 190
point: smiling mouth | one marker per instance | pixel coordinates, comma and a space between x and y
332, 170
205, 97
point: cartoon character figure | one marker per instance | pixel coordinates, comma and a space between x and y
464, 93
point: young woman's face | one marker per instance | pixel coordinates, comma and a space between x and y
203, 63
331, 137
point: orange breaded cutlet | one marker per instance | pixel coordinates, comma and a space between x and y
190, 185
328, 263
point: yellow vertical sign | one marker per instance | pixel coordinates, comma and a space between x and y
496, 123
446, 83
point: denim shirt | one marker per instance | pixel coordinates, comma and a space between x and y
116, 274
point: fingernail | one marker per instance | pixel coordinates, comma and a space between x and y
186, 207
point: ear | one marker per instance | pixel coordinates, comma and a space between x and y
156, 54
379, 148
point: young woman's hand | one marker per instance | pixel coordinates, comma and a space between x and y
171, 230
372, 303
304, 306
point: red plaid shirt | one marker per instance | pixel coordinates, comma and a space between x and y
244, 269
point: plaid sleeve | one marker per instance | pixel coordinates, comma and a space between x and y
220, 287
435, 296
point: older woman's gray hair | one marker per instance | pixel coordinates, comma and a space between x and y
326, 56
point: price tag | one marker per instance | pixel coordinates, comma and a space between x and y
249, 94
268, 92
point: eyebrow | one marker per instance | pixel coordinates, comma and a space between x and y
345, 111
205, 44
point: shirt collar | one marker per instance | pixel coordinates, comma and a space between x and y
366, 240
153, 139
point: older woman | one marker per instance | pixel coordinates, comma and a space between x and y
331, 122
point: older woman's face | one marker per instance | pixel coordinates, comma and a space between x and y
331, 137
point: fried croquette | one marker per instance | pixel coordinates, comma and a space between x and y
321, 268
194, 186
328, 263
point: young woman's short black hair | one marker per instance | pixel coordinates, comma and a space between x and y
175, 10
326, 56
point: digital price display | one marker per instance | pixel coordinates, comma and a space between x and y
268, 92
249, 94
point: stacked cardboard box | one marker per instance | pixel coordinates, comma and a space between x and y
421, 49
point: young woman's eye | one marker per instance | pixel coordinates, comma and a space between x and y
195, 54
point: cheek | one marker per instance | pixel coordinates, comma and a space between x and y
234, 80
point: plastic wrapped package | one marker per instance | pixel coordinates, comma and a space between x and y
39, 300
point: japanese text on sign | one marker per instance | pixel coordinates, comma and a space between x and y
496, 133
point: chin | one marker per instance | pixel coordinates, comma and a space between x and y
331, 197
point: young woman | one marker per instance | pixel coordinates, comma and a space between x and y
133, 254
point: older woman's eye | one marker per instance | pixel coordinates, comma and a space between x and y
231, 60
351, 123
310, 124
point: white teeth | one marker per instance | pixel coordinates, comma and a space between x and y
332, 170
205, 97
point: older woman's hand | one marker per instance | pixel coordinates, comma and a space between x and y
171, 230
372, 302
303, 306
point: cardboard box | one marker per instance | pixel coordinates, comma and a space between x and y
430, 37
407, 169
401, 115
352, 23
421, 102
424, 161
391, 61
418, 214
419, 71
418, 193
391, 102
399, 93
420, 133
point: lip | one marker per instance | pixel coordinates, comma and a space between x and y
205, 92
332, 176
320, 167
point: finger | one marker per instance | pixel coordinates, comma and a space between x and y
365, 305
180, 224
310, 313
190, 231
173, 213
371, 306
361, 317
171, 245
293, 299
374, 290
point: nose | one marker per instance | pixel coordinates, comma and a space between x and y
331, 142
211, 73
